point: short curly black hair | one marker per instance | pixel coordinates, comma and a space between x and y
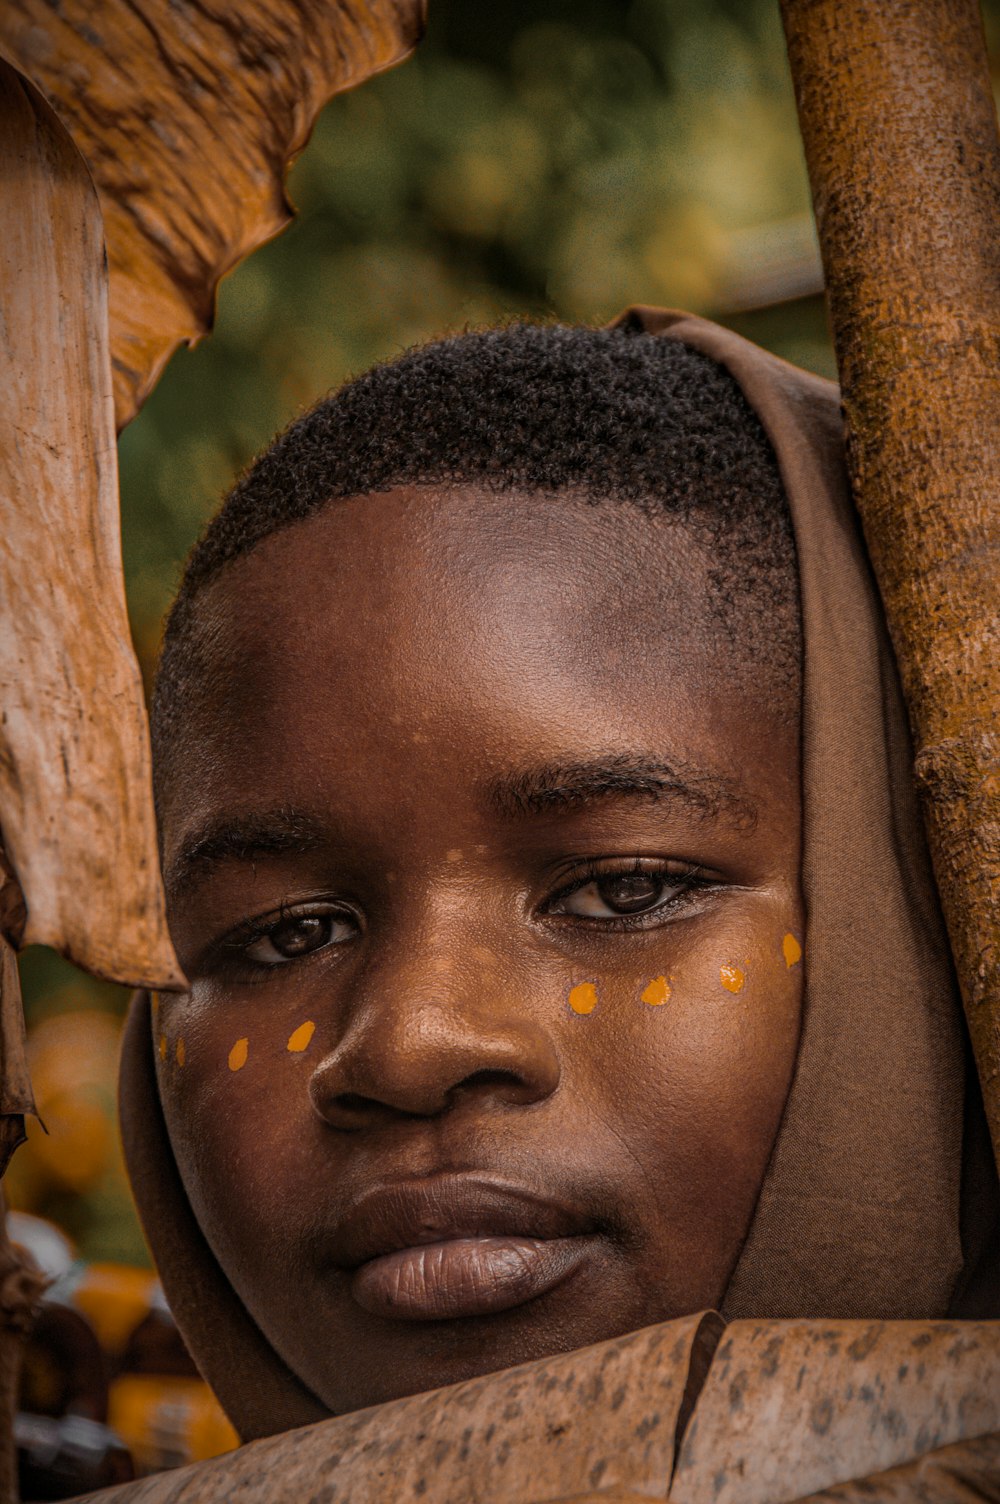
612, 414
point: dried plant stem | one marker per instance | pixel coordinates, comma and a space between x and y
20, 1289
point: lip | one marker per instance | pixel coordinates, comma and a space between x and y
465, 1276
457, 1246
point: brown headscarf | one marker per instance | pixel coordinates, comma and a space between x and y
880, 1199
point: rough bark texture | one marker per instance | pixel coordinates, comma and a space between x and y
901, 141
187, 116
76, 807
20, 1290
774, 1411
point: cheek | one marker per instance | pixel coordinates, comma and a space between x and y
733, 1054
692, 1058
235, 1099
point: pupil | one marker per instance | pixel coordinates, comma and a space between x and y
631, 892
300, 935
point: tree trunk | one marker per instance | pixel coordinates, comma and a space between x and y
900, 134
20, 1287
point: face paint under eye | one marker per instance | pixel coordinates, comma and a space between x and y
583, 998
300, 1038
791, 950
657, 992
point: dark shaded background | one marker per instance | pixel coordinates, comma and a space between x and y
550, 158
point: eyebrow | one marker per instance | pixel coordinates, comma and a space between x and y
556, 788
550, 789
243, 838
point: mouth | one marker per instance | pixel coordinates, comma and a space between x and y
457, 1246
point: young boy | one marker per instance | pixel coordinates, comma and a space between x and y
519, 752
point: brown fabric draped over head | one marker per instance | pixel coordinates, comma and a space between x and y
880, 1199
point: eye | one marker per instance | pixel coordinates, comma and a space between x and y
615, 895
296, 935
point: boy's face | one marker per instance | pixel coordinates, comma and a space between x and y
483, 859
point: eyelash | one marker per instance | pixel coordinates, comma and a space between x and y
690, 879
234, 946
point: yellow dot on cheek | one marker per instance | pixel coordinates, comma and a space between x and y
300, 1037
732, 978
583, 997
657, 993
238, 1054
180, 1052
791, 950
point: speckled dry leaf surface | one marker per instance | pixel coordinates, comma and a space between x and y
75, 800
690, 1412
188, 114
790, 1407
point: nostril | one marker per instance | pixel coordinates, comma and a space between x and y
350, 1110
421, 1069
507, 1082
488, 1078
353, 1102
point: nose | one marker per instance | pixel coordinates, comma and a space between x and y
418, 1045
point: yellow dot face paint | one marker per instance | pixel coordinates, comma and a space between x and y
791, 950
732, 978
656, 993
180, 1052
299, 1039
583, 997
238, 1054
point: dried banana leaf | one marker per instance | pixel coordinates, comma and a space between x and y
187, 115
75, 802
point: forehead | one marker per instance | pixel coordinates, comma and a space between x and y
474, 578
432, 631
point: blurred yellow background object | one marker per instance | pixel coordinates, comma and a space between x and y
105, 1370
166, 1422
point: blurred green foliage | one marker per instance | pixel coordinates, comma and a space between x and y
541, 157
549, 158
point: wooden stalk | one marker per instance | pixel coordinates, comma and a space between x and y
900, 134
20, 1290
10, 1373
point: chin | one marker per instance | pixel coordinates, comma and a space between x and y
432, 1355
